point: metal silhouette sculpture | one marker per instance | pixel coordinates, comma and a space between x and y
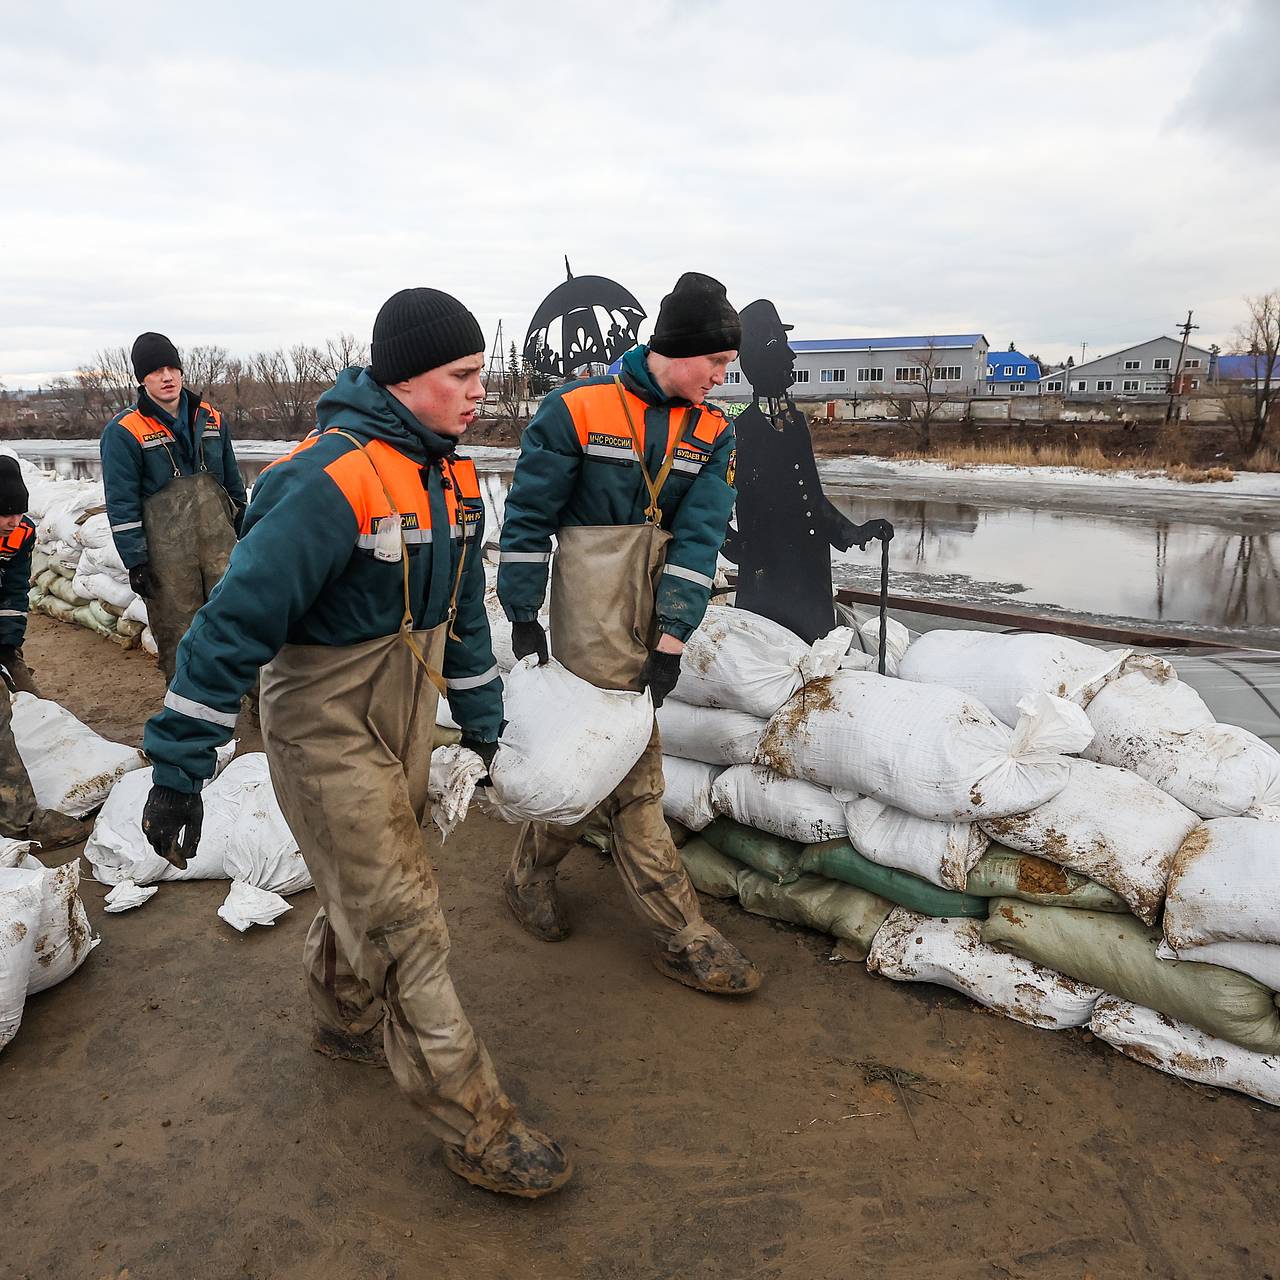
585, 320
784, 526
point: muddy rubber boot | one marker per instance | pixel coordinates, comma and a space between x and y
518, 1161
710, 964
54, 830
537, 907
366, 1049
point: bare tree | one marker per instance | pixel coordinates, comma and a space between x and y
290, 383
340, 353
1252, 405
204, 368
932, 394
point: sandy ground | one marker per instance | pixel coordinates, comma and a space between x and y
163, 1116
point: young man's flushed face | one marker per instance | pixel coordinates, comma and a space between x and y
445, 398
691, 378
164, 386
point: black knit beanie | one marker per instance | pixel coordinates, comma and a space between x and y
152, 351
13, 489
421, 329
695, 319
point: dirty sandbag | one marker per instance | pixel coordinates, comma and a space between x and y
710, 870
843, 911
950, 952
715, 735
1005, 873
1260, 960
21, 894
1239, 686
761, 851
244, 818
566, 746
1178, 1049
686, 791
922, 748
940, 852
1152, 723
246, 905
739, 660
72, 769
1118, 954
757, 797
455, 773
839, 860
63, 936
1000, 670
1107, 824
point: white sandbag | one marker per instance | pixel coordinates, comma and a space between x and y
1225, 885
149, 643
21, 894
451, 783
739, 660
941, 852
444, 717
714, 735
95, 531
567, 744
1000, 670
1160, 728
246, 905
105, 559
137, 612
72, 769
12, 852
63, 936
922, 748
897, 642
126, 895
101, 586
242, 815
1180, 1050
913, 948
787, 807
1257, 960
1110, 825
686, 792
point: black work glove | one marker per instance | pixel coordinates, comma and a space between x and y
165, 815
486, 751
659, 674
859, 535
527, 638
142, 581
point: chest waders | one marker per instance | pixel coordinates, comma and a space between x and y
348, 732
190, 535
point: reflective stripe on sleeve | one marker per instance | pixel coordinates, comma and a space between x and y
609, 451
13, 613
124, 528
691, 467
198, 711
524, 557
473, 682
690, 575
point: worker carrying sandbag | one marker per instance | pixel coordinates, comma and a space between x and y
358, 588
175, 497
633, 475
21, 817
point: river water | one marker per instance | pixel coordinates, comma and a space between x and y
1211, 572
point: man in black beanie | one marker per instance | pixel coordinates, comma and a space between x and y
21, 817
358, 588
633, 477
174, 493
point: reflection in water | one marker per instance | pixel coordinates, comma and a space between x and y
1107, 565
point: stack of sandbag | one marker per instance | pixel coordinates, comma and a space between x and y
243, 838
72, 768
1151, 723
44, 931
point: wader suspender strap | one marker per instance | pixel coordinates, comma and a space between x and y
406, 622
462, 553
653, 512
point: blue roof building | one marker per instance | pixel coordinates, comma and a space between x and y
1010, 373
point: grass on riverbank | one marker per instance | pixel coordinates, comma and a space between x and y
1085, 457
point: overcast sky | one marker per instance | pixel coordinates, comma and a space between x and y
256, 174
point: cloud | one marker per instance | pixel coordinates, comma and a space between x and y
1235, 95
273, 176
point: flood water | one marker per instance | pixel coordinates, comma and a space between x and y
1212, 578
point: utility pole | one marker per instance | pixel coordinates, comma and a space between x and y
1186, 326
1083, 348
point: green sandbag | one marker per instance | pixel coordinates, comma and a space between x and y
45, 577
1118, 954
839, 860
1005, 873
711, 872
62, 588
128, 627
768, 854
101, 615
818, 903
57, 608
85, 616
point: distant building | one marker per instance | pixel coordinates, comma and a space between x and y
1010, 373
1141, 371
876, 368
1246, 370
